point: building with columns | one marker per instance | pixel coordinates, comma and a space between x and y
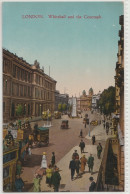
85, 101
27, 85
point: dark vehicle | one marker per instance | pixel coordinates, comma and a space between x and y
64, 124
43, 136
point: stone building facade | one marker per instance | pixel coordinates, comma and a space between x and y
119, 84
27, 85
95, 99
60, 99
85, 101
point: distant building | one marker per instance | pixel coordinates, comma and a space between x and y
27, 85
85, 101
95, 99
60, 99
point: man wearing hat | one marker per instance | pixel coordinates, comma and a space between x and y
44, 162
72, 167
82, 146
53, 159
93, 184
90, 163
75, 154
56, 179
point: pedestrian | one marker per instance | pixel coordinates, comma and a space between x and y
104, 124
83, 161
49, 172
107, 128
99, 150
56, 179
90, 163
29, 150
82, 146
35, 131
72, 167
93, 184
75, 154
19, 184
18, 168
36, 182
93, 139
77, 165
44, 161
53, 159
81, 133
107, 125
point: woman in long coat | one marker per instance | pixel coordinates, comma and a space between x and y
36, 181
83, 161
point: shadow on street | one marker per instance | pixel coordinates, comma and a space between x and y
35, 160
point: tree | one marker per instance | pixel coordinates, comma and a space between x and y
64, 107
107, 101
19, 110
60, 107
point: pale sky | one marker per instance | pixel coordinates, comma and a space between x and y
81, 53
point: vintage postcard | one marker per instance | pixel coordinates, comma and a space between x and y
63, 96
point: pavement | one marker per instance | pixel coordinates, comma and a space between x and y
82, 183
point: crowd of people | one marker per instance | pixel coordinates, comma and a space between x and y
77, 165
51, 171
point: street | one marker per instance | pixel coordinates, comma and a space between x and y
61, 142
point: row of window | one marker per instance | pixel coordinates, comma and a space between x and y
40, 81
44, 95
21, 74
27, 109
21, 90
6, 66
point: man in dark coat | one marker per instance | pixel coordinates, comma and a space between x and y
75, 154
90, 163
77, 165
72, 167
81, 133
93, 184
56, 179
82, 146
93, 139
53, 159
104, 124
107, 128
19, 184
99, 150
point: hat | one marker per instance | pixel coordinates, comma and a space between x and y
91, 178
57, 169
44, 153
